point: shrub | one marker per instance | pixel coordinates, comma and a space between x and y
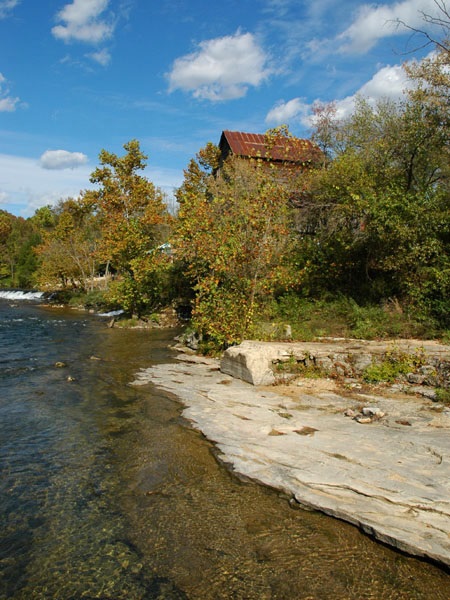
443, 395
394, 365
341, 317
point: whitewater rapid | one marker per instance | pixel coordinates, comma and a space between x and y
21, 295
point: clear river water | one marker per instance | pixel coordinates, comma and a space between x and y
107, 492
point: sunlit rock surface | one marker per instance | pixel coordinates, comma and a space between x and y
256, 362
389, 475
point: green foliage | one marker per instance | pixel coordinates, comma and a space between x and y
18, 239
134, 221
303, 368
96, 300
443, 395
385, 371
233, 235
131, 209
310, 319
445, 338
222, 316
67, 253
127, 294
394, 365
27, 262
379, 210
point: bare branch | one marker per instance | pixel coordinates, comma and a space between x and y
442, 21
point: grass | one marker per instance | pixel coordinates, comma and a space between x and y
95, 300
295, 367
341, 317
303, 368
443, 395
394, 365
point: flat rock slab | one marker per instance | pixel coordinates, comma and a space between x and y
390, 477
253, 361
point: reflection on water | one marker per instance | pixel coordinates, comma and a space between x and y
216, 537
106, 492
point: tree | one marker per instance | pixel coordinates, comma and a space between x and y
382, 217
438, 21
68, 252
233, 234
134, 221
6, 225
18, 261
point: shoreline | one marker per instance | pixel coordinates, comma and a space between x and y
390, 478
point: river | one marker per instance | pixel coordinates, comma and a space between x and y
107, 492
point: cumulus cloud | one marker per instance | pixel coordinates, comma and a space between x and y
83, 22
102, 57
25, 186
374, 22
389, 82
62, 159
6, 7
7, 103
221, 69
284, 112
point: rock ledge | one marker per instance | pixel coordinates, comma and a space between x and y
391, 480
254, 361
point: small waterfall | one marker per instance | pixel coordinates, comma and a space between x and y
111, 313
21, 295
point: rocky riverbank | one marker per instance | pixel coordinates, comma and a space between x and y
377, 458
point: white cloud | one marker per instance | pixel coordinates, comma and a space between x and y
374, 22
389, 82
7, 102
102, 57
83, 23
6, 6
25, 186
222, 68
283, 112
62, 159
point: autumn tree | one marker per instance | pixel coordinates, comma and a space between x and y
134, 221
68, 252
233, 234
18, 261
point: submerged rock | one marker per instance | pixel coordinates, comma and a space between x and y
391, 481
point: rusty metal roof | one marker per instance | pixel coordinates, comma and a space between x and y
280, 148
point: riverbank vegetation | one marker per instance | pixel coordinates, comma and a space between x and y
356, 245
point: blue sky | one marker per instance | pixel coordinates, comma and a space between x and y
77, 76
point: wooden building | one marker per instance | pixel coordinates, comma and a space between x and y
286, 152
290, 156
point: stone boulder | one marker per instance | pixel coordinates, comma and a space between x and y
257, 362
